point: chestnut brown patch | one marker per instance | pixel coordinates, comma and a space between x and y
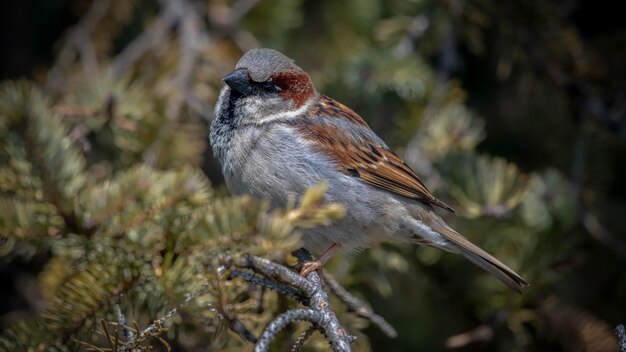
295, 86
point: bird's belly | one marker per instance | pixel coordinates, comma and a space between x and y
356, 230
280, 168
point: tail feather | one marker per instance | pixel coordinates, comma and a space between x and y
496, 268
483, 259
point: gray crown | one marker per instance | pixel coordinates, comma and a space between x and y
261, 63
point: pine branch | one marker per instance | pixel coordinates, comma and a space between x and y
58, 163
297, 345
28, 219
319, 310
78, 44
317, 318
89, 291
360, 307
83, 295
266, 283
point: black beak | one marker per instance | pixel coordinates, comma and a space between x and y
239, 80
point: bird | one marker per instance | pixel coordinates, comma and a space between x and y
275, 136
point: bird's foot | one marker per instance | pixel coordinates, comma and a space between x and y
317, 264
310, 267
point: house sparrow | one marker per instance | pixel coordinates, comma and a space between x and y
275, 136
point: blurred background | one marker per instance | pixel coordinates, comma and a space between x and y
513, 112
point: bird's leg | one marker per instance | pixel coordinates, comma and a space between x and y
317, 264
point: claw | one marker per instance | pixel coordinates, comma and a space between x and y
317, 264
310, 267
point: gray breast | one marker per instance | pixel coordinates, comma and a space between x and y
272, 162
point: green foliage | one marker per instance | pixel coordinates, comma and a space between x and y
449, 129
103, 182
484, 185
44, 142
145, 238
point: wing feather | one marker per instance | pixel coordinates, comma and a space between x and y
345, 138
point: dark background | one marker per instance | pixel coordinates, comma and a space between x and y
547, 77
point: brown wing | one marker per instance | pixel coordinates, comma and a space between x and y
342, 135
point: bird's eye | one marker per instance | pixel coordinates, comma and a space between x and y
270, 87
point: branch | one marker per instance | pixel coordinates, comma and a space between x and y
481, 334
273, 285
79, 44
308, 291
149, 38
319, 311
297, 345
316, 317
183, 18
134, 338
191, 38
228, 24
360, 307
240, 9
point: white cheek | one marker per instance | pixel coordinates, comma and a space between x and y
256, 109
252, 107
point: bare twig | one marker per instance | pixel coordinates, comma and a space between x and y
339, 338
297, 345
241, 8
240, 328
156, 327
319, 310
313, 316
482, 333
267, 274
277, 272
358, 306
191, 38
229, 24
182, 17
260, 307
121, 322
149, 38
273, 285
78, 44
